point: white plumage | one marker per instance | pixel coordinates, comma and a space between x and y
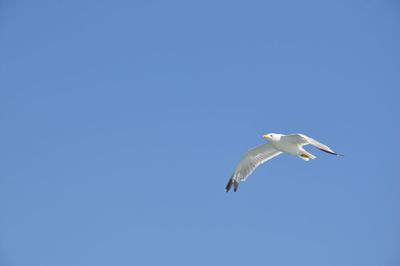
278, 143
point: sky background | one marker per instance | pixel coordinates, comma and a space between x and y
121, 122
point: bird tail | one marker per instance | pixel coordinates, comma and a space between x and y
231, 182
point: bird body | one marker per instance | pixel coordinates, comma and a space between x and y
286, 146
278, 144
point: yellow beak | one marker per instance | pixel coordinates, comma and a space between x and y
266, 137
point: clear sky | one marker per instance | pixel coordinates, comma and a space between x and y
121, 122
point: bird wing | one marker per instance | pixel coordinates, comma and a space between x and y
301, 139
249, 162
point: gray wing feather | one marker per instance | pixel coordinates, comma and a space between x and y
252, 159
302, 140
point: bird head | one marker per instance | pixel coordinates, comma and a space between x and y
272, 136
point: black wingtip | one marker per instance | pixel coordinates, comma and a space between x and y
230, 183
333, 153
338, 154
235, 185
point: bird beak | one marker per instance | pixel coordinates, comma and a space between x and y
266, 137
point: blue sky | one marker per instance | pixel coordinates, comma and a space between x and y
121, 122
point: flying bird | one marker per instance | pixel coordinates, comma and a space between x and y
277, 144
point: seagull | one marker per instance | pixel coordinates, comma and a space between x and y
278, 143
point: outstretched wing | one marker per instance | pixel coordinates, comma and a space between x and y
302, 140
249, 163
